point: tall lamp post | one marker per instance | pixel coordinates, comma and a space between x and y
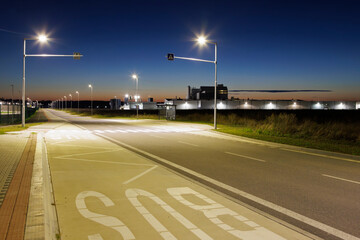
70, 100
91, 93
41, 38
134, 76
65, 102
78, 94
202, 40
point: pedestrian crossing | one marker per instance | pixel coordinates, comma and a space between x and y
73, 134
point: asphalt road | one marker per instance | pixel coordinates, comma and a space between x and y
318, 185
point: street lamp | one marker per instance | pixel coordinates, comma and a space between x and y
78, 94
65, 102
40, 38
201, 41
134, 76
71, 100
91, 93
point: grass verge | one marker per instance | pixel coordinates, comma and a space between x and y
15, 128
341, 146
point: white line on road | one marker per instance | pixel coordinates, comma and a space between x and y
140, 175
336, 232
190, 144
321, 155
156, 136
339, 178
97, 161
243, 156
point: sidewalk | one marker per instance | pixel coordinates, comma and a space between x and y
11, 149
103, 191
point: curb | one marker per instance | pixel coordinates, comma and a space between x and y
42, 222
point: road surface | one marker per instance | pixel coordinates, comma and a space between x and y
314, 190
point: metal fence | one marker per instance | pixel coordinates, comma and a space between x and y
11, 113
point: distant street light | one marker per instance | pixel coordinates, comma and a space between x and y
134, 76
71, 101
40, 38
78, 94
202, 40
91, 93
65, 102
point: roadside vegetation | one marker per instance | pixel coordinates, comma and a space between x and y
286, 128
33, 120
337, 131
15, 128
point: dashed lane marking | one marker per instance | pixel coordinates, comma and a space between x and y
190, 144
339, 178
243, 156
321, 155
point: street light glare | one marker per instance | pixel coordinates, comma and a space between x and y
90, 86
42, 38
201, 40
134, 76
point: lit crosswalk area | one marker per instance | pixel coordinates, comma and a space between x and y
89, 134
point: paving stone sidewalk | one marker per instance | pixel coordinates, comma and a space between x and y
11, 149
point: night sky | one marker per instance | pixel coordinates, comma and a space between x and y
262, 45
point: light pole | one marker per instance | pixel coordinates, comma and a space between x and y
62, 104
115, 103
12, 103
134, 76
70, 100
91, 93
78, 94
65, 102
202, 40
41, 38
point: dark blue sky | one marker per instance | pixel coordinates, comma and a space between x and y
262, 45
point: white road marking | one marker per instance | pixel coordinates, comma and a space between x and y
336, 232
80, 146
156, 136
110, 131
190, 144
112, 162
55, 143
87, 153
105, 220
140, 175
132, 195
119, 130
339, 178
212, 210
243, 156
321, 155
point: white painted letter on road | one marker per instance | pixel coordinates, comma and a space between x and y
132, 195
213, 209
108, 221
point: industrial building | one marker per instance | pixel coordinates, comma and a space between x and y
207, 93
203, 98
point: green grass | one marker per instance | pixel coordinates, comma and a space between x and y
341, 146
14, 128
